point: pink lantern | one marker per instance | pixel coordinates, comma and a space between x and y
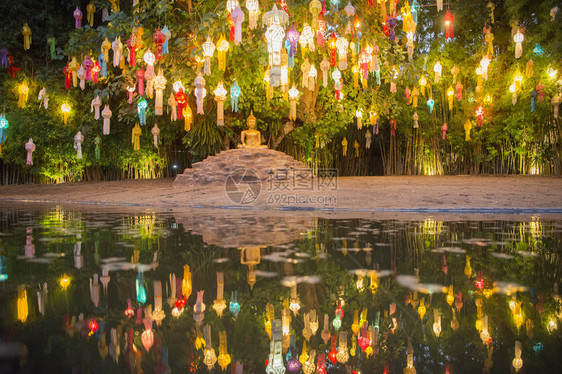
77, 18
140, 78
444, 130
88, 65
147, 337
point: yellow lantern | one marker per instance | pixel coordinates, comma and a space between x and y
222, 47
187, 117
186, 286
423, 83
518, 79
450, 97
450, 296
467, 267
517, 361
23, 90
422, 309
436, 322
551, 73
26, 32
294, 304
374, 282
65, 108
23, 308
224, 358
355, 71
64, 282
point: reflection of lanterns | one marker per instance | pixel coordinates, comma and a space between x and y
199, 308
479, 282
93, 326
234, 304
64, 282
374, 282
223, 358
422, 309
518, 39
517, 361
186, 286
436, 322
294, 300
147, 336
141, 291
65, 108
219, 305
210, 356
22, 306
467, 267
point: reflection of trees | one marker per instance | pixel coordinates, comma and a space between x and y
329, 250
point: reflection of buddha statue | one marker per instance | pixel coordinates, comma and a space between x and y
251, 138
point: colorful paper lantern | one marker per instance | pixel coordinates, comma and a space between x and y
200, 93
78, 140
208, 50
135, 139
518, 39
220, 96
222, 47
117, 48
235, 92
106, 114
26, 32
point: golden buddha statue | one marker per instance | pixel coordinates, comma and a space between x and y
251, 138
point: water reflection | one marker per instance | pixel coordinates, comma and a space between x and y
250, 292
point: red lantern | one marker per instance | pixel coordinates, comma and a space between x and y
180, 304
480, 115
181, 99
132, 46
332, 354
479, 282
449, 18
67, 76
93, 325
332, 45
159, 38
95, 72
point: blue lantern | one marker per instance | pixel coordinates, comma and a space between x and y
141, 291
430, 104
141, 107
4, 124
3, 269
234, 305
538, 50
234, 95
103, 66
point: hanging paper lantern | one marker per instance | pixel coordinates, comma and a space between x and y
65, 109
30, 148
342, 44
534, 95
173, 107
321, 30
159, 85
23, 90
467, 128
26, 32
415, 117
325, 67
159, 39
333, 47
208, 50
131, 91
4, 124
43, 98
293, 37
552, 73
78, 140
253, 10
77, 18
235, 92
392, 123
141, 109
293, 97
459, 87
449, 19
423, 83
222, 47
96, 71
430, 104
415, 96
437, 68
200, 93
237, 16
338, 85
444, 130
106, 114
364, 60
132, 47
117, 48
307, 38
305, 67
556, 100
220, 96
274, 36
480, 115
518, 39
149, 59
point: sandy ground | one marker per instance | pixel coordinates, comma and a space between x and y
353, 196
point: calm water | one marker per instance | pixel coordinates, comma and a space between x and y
87, 292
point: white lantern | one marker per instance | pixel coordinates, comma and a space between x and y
293, 96
341, 45
220, 96
208, 50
